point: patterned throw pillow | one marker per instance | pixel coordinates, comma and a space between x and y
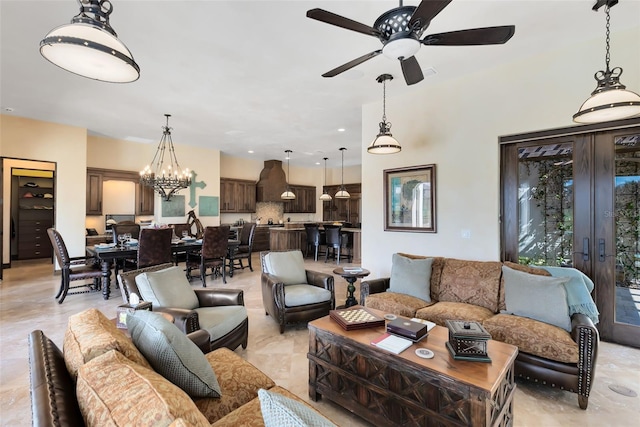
411, 276
537, 297
281, 411
172, 354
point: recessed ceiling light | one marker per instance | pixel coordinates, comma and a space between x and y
250, 151
317, 163
341, 130
8, 109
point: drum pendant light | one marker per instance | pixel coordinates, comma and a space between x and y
343, 193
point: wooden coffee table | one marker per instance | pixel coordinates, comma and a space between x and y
404, 389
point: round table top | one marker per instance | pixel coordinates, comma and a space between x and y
361, 272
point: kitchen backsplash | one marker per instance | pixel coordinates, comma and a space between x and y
269, 210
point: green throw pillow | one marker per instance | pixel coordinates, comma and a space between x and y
167, 288
540, 298
172, 354
281, 411
411, 276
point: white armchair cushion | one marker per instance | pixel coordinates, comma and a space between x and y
221, 320
297, 295
287, 266
167, 288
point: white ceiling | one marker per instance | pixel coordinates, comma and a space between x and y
246, 75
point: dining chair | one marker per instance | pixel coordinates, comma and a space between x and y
335, 243
73, 268
154, 246
314, 239
245, 248
213, 255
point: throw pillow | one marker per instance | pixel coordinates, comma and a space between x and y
167, 288
288, 266
281, 411
537, 297
172, 354
411, 276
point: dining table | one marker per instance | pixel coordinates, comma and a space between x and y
108, 255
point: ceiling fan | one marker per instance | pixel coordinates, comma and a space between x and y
400, 29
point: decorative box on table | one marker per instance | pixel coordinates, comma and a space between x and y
125, 309
468, 341
407, 329
355, 318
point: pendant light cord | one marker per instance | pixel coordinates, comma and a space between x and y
384, 101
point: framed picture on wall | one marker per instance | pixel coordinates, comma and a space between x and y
410, 199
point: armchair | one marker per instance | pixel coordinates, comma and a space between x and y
292, 294
219, 312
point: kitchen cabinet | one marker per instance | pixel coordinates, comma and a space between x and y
237, 195
145, 197
36, 205
347, 210
305, 201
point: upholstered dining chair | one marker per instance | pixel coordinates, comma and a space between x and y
213, 255
245, 248
220, 312
73, 268
290, 293
335, 243
154, 246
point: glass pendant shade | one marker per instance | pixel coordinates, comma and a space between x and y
90, 48
610, 100
325, 197
288, 194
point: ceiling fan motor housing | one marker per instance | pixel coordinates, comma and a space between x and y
399, 39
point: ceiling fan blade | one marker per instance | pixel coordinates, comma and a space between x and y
426, 11
352, 64
411, 70
342, 22
471, 37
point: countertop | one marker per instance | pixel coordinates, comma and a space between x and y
348, 229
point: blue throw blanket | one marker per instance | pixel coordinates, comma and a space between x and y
579, 289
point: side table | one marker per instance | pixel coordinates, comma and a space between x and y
351, 275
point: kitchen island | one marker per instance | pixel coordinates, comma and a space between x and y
291, 238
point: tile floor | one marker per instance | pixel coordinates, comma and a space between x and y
27, 303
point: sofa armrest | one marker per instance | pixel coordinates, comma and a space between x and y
584, 332
220, 296
320, 280
202, 339
186, 320
374, 286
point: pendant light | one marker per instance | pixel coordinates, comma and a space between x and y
288, 194
170, 180
343, 193
89, 46
325, 197
384, 143
610, 100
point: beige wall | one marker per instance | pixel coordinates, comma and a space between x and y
456, 125
66, 147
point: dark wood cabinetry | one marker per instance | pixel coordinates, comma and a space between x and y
35, 214
261, 239
237, 195
145, 198
347, 210
305, 201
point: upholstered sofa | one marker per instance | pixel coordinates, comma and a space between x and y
475, 291
101, 378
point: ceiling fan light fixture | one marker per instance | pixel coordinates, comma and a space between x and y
384, 142
401, 48
89, 47
610, 100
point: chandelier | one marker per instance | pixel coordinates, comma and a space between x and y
384, 143
89, 46
610, 100
165, 179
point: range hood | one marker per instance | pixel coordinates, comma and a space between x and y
272, 182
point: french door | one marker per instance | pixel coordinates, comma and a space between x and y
571, 197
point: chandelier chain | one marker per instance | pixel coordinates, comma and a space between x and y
608, 26
384, 100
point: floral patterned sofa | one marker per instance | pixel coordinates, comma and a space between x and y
475, 291
101, 378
